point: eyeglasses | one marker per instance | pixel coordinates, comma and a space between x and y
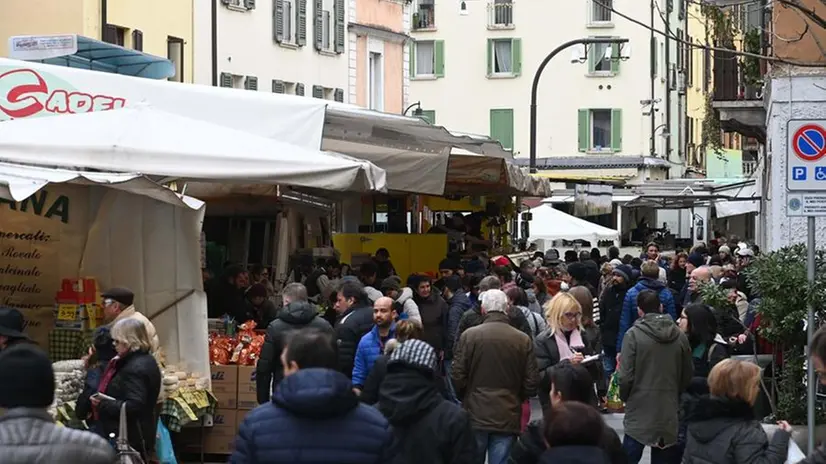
572, 315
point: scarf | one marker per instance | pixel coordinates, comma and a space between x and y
110, 371
566, 350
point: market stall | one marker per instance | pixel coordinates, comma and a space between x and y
549, 224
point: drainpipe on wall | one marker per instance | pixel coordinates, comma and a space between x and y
653, 46
214, 31
104, 20
668, 82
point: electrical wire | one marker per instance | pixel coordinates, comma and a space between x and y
707, 47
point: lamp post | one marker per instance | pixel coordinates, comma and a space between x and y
538, 74
665, 134
417, 112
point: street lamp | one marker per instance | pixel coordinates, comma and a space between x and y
665, 134
541, 68
417, 112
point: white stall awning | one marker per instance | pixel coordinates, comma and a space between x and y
549, 223
149, 141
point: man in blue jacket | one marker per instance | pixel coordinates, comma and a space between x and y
314, 416
648, 281
371, 345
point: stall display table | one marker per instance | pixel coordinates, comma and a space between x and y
187, 406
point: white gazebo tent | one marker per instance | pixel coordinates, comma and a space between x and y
549, 224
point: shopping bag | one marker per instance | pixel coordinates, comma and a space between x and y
126, 454
163, 445
614, 402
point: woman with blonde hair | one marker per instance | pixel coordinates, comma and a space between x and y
132, 378
721, 426
563, 341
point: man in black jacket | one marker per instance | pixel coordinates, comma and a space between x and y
355, 318
610, 309
298, 314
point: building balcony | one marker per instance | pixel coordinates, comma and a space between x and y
424, 18
738, 100
500, 14
749, 168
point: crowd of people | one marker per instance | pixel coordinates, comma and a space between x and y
363, 368
445, 366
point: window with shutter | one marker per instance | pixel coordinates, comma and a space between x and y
504, 57
600, 58
226, 80
278, 86
318, 91
251, 83
501, 127
137, 40
278, 20
299, 89
301, 23
339, 26
339, 95
615, 58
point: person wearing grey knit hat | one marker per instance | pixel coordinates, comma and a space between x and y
428, 427
28, 433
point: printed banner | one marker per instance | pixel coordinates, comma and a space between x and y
41, 242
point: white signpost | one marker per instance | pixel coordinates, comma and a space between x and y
806, 184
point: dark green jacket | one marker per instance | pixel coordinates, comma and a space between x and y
655, 367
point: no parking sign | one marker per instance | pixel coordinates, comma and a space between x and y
806, 156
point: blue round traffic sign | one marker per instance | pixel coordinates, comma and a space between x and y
809, 142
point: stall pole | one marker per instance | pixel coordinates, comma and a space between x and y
810, 330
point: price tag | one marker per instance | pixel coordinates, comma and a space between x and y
201, 399
67, 312
186, 409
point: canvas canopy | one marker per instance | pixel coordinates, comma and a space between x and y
416, 155
549, 223
148, 141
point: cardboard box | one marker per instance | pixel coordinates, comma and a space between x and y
220, 438
225, 385
247, 398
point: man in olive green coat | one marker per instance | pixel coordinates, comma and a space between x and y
655, 367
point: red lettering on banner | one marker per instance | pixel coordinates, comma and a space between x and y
22, 103
22, 100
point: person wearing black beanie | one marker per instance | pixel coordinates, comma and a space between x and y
28, 433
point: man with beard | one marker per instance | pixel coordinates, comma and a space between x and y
371, 345
433, 310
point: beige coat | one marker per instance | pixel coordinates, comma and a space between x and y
132, 313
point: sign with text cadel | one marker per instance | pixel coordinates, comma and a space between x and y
806, 156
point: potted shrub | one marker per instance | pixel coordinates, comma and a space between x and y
779, 278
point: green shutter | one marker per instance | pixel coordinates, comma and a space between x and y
654, 52
490, 58
251, 83
318, 91
439, 58
226, 80
516, 56
318, 23
301, 22
278, 86
616, 130
584, 130
338, 95
299, 89
615, 58
278, 20
429, 116
592, 61
501, 127
412, 59
339, 24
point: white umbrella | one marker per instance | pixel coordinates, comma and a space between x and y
145, 140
